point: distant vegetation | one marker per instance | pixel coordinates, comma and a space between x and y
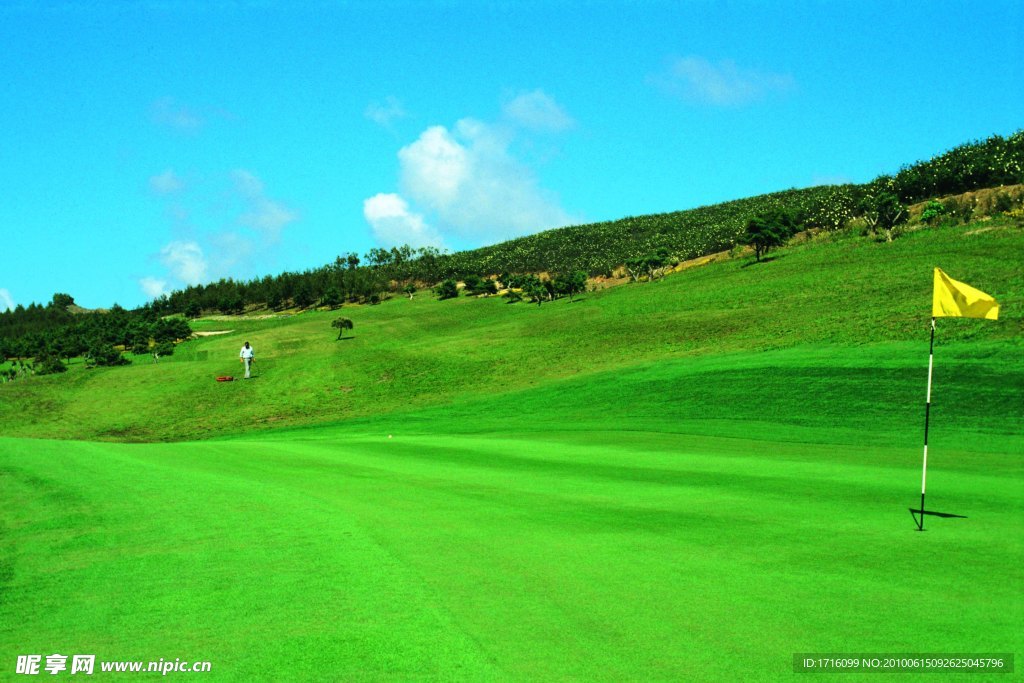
55, 333
601, 248
538, 267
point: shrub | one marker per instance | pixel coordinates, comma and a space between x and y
102, 353
959, 209
51, 365
932, 212
448, 289
1003, 203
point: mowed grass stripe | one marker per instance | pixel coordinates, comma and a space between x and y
514, 557
159, 558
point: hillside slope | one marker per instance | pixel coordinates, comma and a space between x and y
825, 296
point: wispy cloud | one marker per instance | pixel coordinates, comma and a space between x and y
6, 300
185, 261
265, 215
166, 183
168, 112
720, 84
537, 111
224, 226
394, 224
385, 113
153, 287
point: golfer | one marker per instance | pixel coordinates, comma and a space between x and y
247, 355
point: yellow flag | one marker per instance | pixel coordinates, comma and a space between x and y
955, 299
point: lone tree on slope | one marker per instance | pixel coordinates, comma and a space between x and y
342, 324
768, 231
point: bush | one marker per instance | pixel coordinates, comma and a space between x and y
51, 365
932, 212
448, 289
1003, 203
960, 210
140, 346
102, 353
476, 285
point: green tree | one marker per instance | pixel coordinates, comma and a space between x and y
537, 289
102, 353
571, 284
51, 365
767, 231
193, 309
448, 289
62, 301
635, 267
342, 324
304, 295
933, 211
165, 348
883, 211
231, 303
140, 346
331, 298
171, 329
410, 290
476, 285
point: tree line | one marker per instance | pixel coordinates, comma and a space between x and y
54, 334
646, 246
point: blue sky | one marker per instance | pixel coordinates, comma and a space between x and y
148, 146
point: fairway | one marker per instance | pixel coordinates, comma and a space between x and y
693, 479
640, 550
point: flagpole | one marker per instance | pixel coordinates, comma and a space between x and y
927, 413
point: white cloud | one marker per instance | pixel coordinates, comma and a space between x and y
6, 300
435, 167
167, 112
265, 215
152, 287
393, 224
247, 184
384, 114
166, 183
185, 260
470, 179
537, 111
722, 84
226, 227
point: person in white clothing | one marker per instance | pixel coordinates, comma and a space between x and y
247, 355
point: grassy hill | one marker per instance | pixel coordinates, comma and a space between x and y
411, 355
694, 478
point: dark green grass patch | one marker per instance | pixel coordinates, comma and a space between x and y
599, 556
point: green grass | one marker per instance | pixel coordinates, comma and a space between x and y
409, 355
690, 479
589, 555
